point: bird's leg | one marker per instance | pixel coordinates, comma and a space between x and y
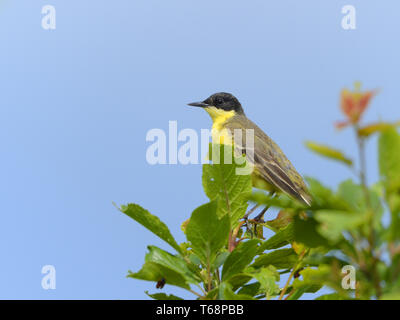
259, 217
250, 211
245, 217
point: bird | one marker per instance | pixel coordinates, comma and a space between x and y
272, 169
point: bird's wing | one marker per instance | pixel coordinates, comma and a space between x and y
269, 160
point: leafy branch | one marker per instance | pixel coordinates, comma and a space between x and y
225, 255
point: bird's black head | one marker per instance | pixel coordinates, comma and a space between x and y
221, 100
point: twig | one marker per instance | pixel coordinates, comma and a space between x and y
195, 293
292, 274
201, 289
371, 235
232, 243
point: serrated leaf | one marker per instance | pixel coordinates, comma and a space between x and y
239, 258
222, 183
280, 259
207, 233
150, 222
162, 296
267, 277
152, 271
279, 239
328, 152
311, 282
172, 262
313, 279
226, 293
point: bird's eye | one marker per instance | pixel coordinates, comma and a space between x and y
219, 100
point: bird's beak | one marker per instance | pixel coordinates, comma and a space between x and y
198, 104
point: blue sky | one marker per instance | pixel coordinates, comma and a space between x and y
76, 104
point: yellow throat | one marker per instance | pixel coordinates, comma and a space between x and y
219, 117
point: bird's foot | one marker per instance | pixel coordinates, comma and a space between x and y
245, 217
260, 216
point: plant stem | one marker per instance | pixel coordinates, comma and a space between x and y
292, 274
201, 289
209, 276
371, 235
363, 166
195, 293
232, 243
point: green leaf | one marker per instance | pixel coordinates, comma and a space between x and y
328, 152
323, 197
251, 289
312, 282
324, 275
279, 201
239, 258
376, 127
391, 296
162, 296
393, 200
389, 159
267, 277
283, 219
226, 293
220, 260
389, 168
152, 271
333, 223
280, 259
239, 280
212, 294
151, 222
207, 233
175, 263
313, 279
221, 182
305, 231
318, 256
332, 296
305, 289
279, 239
354, 195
